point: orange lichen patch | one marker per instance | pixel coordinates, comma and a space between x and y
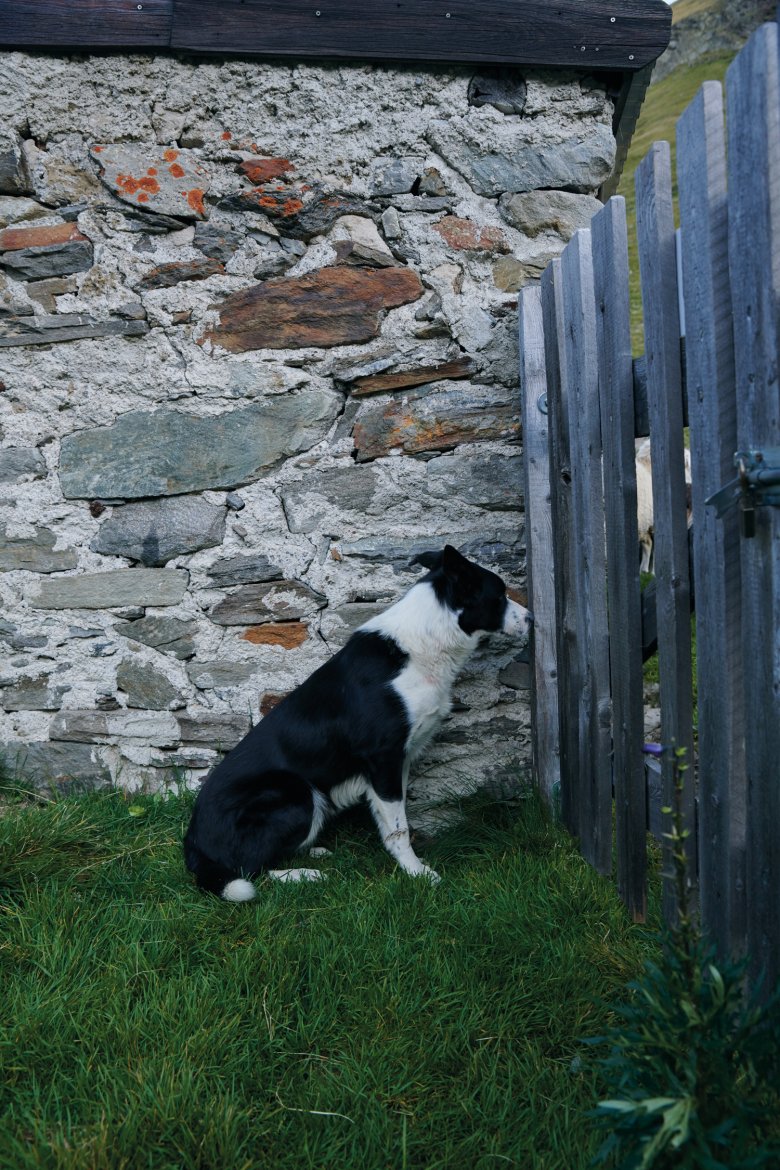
98, 149
143, 197
287, 635
262, 170
11, 239
226, 135
195, 200
130, 186
465, 235
170, 155
152, 171
177, 170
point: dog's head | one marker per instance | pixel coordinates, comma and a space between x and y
475, 594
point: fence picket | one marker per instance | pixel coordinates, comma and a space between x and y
569, 685
579, 373
658, 275
541, 592
610, 270
753, 120
701, 174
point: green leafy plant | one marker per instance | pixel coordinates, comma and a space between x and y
694, 1059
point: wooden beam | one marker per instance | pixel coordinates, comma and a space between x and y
628, 105
86, 24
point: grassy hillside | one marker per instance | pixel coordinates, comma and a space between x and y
663, 105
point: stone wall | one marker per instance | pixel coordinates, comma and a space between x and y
257, 348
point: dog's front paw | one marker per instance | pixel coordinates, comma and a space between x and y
425, 871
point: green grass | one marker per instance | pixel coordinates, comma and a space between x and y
369, 1021
664, 104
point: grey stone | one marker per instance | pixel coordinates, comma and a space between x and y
14, 174
166, 182
34, 553
154, 531
45, 292
64, 327
65, 767
17, 208
113, 588
395, 176
84, 632
146, 687
221, 674
33, 694
308, 503
517, 674
221, 730
508, 160
21, 463
562, 212
427, 203
216, 242
158, 728
243, 570
276, 601
339, 624
491, 481
499, 551
48, 260
167, 452
235, 502
504, 90
167, 634
391, 223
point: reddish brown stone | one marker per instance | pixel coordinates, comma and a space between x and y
166, 275
333, 306
15, 238
432, 420
263, 170
269, 700
288, 635
461, 368
465, 235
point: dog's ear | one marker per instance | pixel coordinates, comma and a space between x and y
429, 560
453, 562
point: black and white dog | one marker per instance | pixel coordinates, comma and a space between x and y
350, 730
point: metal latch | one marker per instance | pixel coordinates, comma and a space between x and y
757, 484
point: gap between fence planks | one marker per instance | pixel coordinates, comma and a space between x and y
539, 544
753, 120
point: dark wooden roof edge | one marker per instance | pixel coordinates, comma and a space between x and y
628, 105
625, 35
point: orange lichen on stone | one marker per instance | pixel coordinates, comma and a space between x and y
262, 170
195, 200
226, 135
170, 155
177, 170
130, 186
143, 197
152, 171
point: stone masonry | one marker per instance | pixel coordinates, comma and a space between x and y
257, 349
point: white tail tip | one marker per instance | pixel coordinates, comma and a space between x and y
239, 890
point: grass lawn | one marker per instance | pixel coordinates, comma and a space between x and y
367, 1021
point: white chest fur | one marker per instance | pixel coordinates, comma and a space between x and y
437, 648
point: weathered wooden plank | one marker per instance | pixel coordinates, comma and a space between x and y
590, 34
709, 356
753, 121
628, 105
86, 23
658, 274
538, 536
616, 393
563, 565
580, 373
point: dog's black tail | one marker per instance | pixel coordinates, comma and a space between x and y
215, 878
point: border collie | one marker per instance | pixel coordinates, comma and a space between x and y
351, 730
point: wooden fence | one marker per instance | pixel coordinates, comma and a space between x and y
581, 414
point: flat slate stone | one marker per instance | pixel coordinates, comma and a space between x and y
494, 482
275, 601
167, 634
332, 306
115, 588
167, 275
221, 674
243, 570
503, 550
561, 212
220, 730
154, 531
433, 419
147, 687
581, 161
168, 452
65, 767
170, 182
21, 463
420, 376
49, 260
58, 327
158, 729
34, 553
14, 175
34, 694
319, 494
285, 635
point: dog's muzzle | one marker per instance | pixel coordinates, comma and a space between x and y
517, 619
